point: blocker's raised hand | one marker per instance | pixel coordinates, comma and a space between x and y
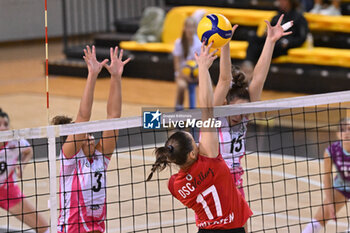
206, 58
276, 32
117, 65
93, 65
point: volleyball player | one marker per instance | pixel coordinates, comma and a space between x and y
233, 88
203, 183
11, 197
337, 190
84, 164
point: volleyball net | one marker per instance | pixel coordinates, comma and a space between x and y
283, 168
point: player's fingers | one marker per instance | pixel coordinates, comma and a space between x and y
210, 45
93, 50
104, 62
287, 25
214, 57
203, 47
111, 52
267, 23
213, 52
126, 61
196, 55
88, 49
234, 28
85, 53
280, 19
287, 33
121, 54
116, 51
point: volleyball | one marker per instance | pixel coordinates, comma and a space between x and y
190, 69
214, 28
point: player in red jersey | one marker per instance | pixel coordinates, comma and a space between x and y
204, 182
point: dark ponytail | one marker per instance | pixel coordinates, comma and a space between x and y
4, 114
239, 88
163, 155
175, 151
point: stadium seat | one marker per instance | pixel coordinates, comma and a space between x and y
318, 56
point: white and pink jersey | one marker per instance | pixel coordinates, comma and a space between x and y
9, 156
83, 193
232, 142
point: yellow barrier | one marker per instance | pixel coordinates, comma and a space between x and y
173, 26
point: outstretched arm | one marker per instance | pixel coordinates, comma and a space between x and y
225, 76
209, 144
114, 103
262, 67
74, 142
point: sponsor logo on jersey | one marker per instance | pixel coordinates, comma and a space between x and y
230, 218
202, 177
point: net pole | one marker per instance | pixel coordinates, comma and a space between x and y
52, 175
47, 67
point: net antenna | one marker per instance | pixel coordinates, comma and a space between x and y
47, 67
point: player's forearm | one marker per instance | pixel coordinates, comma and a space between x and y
261, 70
114, 103
225, 65
27, 155
86, 102
205, 88
225, 77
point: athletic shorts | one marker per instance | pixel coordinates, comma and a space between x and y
10, 194
236, 230
341, 186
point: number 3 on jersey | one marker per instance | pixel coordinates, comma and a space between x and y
98, 188
200, 199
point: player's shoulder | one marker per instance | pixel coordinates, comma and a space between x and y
177, 42
334, 147
171, 182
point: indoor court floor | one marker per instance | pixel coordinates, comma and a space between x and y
22, 95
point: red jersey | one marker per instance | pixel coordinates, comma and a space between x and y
208, 189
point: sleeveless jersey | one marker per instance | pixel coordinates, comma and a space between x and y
9, 156
82, 193
340, 160
208, 189
232, 142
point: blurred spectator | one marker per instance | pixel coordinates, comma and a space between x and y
332, 9
151, 25
307, 5
184, 50
296, 39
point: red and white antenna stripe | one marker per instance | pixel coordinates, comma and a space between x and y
47, 67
